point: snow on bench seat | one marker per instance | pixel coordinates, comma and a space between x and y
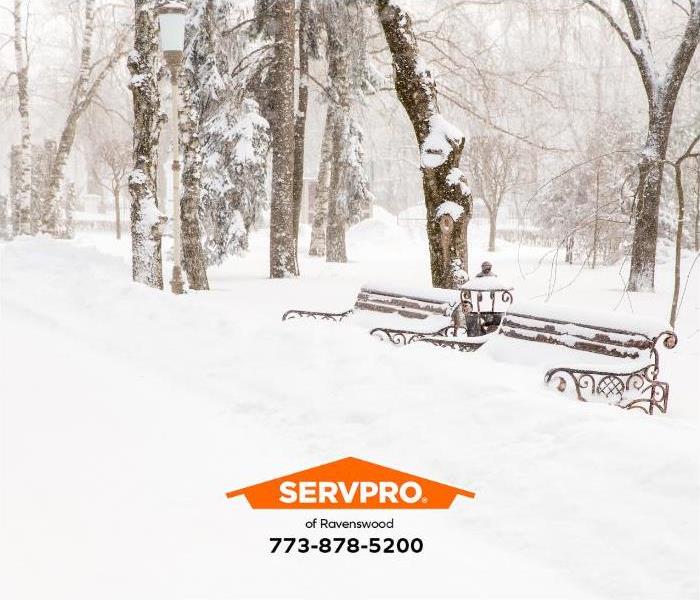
597, 319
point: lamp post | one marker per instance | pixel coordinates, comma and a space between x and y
171, 17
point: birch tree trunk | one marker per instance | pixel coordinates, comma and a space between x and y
447, 197
50, 217
147, 221
282, 248
192, 251
24, 185
84, 93
300, 122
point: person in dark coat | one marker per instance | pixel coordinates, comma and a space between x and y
486, 270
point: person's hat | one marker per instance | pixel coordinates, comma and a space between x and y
486, 265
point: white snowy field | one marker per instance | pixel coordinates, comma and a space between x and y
127, 413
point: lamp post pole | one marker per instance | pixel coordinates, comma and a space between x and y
171, 18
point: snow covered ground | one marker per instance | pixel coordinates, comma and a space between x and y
127, 413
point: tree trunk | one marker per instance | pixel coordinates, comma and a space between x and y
679, 243
444, 185
662, 93
282, 249
5, 228
647, 200
493, 217
318, 226
697, 207
51, 210
117, 215
192, 251
84, 93
336, 250
596, 226
24, 185
300, 122
147, 221
339, 75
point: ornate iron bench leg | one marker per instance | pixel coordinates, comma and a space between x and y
447, 337
310, 314
397, 337
642, 384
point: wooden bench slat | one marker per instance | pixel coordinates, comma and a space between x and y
587, 346
631, 340
364, 299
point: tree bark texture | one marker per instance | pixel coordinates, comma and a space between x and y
679, 242
51, 217
117, 207
147, 221
662, 93
281, 78
192, 252
440, 145
697, 206
318, 226
336, 250
300, 121
492, 231
339, 75
24, 184
84, 93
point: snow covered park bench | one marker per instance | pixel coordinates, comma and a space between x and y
423, 310
601, 355
604, 355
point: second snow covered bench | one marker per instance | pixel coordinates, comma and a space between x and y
423, 309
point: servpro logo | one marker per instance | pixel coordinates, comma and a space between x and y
350, 483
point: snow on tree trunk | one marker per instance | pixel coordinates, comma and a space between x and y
300, 121
147, 221
52, 220
192, 252
51, 217
447, 197
281, 78
24, 185
318, 226
662, 92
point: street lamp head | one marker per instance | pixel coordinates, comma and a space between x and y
171, 17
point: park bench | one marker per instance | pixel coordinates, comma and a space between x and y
626, 349
603, 355
421, 309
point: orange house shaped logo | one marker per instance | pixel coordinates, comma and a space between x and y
350, 483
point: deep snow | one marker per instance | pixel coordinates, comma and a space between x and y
127, 413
